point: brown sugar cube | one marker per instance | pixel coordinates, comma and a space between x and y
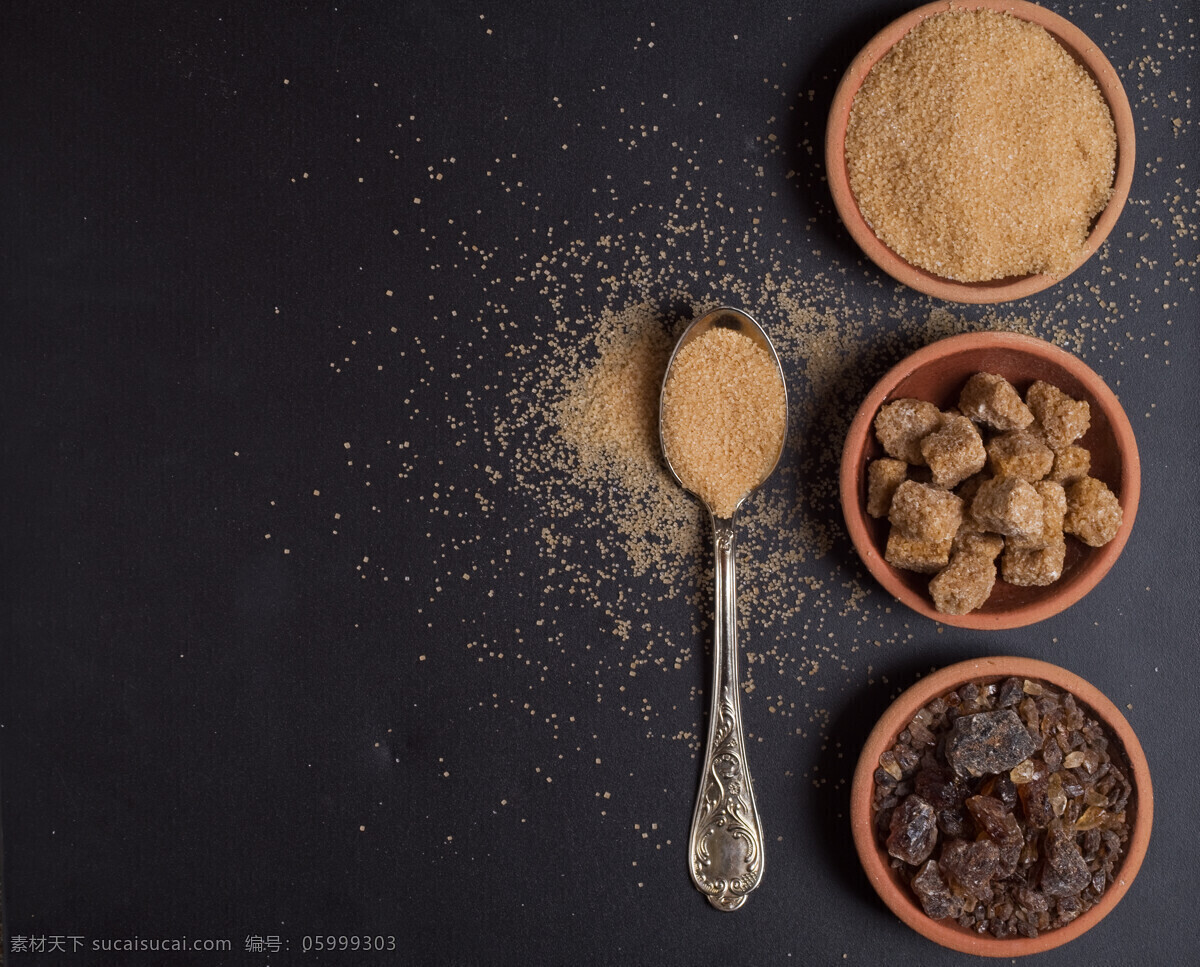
991, 399
964, 584
1020, 453
971, 540
1054, 507
927, 557
902, 424
1033, 568
924, 513
1070, 464
883, 477
954, 452
1008, 506
1093, 512
1062, 419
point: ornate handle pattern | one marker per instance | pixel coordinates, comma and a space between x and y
726, 845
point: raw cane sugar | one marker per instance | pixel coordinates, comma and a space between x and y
964, 584
901, 426
923, 512
1020, 453
884, 476
1054, 508
1035, 567
1093, 512
924, 557
1008, 506
1062, 420
954, 452
1070, 464
991, 399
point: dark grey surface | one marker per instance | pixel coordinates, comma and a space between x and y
196, 723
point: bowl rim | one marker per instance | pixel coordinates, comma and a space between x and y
872, 856
852, 467
1076, 43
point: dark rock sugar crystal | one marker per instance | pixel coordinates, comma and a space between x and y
987, 742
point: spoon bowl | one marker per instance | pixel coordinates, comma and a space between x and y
725, 848
733, 320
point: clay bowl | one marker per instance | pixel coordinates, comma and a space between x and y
1078, 46
875, 860
937, 373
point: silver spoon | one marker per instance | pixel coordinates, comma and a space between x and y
725, 848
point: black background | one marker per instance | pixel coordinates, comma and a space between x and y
196, 724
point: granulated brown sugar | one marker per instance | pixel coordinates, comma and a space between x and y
724, 415
978, 149
590, 411
613, 408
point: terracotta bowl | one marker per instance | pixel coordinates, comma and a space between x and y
937, 373
1078, 46
875, 860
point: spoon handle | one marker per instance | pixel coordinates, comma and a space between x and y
726, 844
